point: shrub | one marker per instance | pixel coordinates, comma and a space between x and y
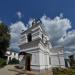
14, 61
55, 70
62, 71
2, 62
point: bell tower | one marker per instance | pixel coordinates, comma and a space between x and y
35, 41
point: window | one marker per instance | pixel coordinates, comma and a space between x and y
42, 36
49, 60
29, 37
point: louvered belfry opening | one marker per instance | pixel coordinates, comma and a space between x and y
29, 37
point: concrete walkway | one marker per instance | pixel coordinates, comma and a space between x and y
11, 70
5, 70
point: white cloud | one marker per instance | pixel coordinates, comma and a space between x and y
56, 27
68, 52
61, 15
69, 41
70, 38
0, 21
19, 14
59, 35
30, 21
15, 30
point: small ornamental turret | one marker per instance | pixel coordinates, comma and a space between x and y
39, 22
34, 22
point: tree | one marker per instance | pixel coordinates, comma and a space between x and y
4, 39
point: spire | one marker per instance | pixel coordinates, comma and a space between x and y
34, 22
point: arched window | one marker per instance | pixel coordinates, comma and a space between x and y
29, 37
49, 60
42, 36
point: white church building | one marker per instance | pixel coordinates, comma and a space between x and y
36, 51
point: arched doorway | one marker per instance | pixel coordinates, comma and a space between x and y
27, 58
28, 62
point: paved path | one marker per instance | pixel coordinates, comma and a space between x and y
11, 70
5, 70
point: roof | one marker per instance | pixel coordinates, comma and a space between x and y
13, 51
54, 50
24, 53
37, 23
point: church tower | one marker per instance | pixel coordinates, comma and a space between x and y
34, 41
37, 51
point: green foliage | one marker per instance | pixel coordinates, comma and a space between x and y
2, 62
4, 38
63, 71
14, 61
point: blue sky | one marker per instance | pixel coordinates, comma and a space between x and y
36, 9
18, 12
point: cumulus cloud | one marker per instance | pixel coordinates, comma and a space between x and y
15, 30
0, 21
68, 52
56, 27
30, 21
70, 38
59, 34
19, 14
69, 41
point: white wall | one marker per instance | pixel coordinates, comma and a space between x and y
40, 60
44, 61
57, 61
11, 55
35, 61
35, 58
54, 61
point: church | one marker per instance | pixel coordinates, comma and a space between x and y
36, 51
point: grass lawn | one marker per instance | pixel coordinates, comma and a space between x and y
64, 72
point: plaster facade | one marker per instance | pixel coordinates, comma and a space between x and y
36, 42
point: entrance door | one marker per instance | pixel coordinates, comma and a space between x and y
28, 62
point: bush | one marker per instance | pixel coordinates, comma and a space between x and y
14, 61
55, 70
2, 62
63, 71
